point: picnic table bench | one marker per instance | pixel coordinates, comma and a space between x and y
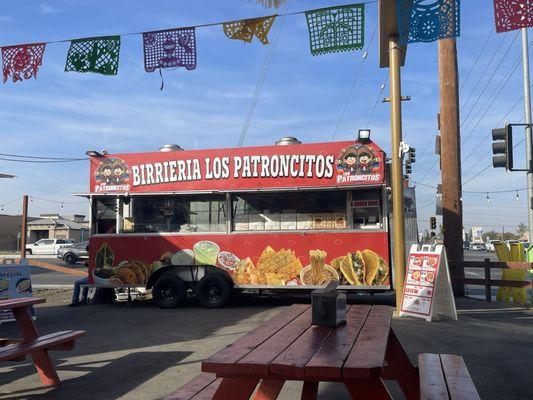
360, 354
33, 344
445, 377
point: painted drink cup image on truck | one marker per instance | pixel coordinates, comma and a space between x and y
206, 252
207, 223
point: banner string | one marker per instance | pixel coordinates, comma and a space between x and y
181, 27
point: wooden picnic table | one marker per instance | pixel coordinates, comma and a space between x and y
33, 344
361, 354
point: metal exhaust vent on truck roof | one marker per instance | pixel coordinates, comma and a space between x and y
170, 147
287, 141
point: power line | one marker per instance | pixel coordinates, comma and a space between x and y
482, 74
58, 201
354, 81
474, 191
10, 202
498, 124
487, 108
504, 57
382, 87
259, 84
478, 122
477, 59
425, 148
40, 157
488, 166
41, 161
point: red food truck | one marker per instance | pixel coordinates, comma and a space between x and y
206, 222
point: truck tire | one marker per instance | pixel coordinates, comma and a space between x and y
70, 258
213, 291
169, 291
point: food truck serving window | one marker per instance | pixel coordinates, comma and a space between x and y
366, 209
105, 215
304, 210
202, 213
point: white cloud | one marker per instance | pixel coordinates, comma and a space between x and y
49, 9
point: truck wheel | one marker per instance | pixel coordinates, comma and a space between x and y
70, 258
169, 291
213, 291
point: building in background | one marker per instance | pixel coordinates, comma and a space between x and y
411, 223
9, 231
55, 226
476, 235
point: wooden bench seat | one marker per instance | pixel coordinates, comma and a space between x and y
203, 387
63, 340
445, 377
6, 341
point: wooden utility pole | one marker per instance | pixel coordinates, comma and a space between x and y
24, 227
452, 208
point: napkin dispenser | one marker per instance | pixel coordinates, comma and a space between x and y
328, 306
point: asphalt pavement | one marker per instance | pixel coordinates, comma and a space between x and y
147, 353
43, 278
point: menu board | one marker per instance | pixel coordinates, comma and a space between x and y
15, 282
427, 288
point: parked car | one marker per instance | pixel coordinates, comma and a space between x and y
48, 246
477, 247
73, 254
509, 242
490, 245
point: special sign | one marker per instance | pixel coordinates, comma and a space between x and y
304, 165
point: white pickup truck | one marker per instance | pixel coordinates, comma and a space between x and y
48, 246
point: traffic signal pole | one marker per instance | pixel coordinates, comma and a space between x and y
529, 140
396, 168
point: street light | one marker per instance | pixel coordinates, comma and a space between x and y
363, 135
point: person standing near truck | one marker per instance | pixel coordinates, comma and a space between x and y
77, 286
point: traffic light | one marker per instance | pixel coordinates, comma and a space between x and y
411, 158
502, 147
433, 223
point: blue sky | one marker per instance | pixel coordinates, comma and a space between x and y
63, 114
